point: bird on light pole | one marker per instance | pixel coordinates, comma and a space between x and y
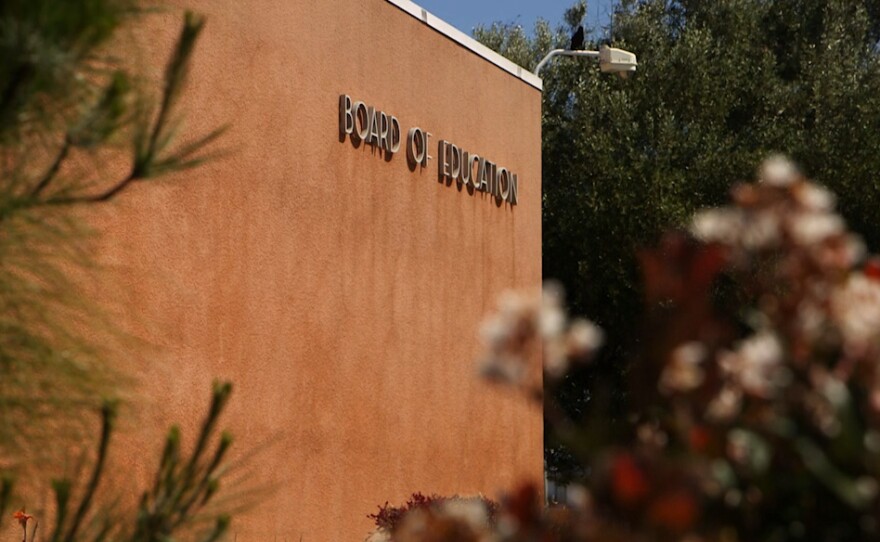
611, 59
577, 40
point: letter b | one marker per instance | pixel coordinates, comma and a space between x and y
346, 118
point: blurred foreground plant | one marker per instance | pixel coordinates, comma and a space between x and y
753, 410
181, 492
478, 510
78, 126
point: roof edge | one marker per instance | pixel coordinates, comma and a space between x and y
468, 42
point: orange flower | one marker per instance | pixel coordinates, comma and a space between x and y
700, 438
675, 511
629, 485
872, 268
22, 517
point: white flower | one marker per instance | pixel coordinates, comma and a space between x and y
553, 294
578, 344
552, 317
867, 487
718, 225
725, 405
379, 535
814, 227
854, 249
813, 197
494, 333
809, 319
760, 231
756, 366
855, 308
552, 322
556, 361
471, 511
835, 391
683, 372
523, 323
779, 171
839, 253
578, 497
512, 305
503, 369
584, 338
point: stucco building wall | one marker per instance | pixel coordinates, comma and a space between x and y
341, 292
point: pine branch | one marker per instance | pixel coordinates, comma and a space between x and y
62, 500
147, 161
53, 169
179, 489
6, 484
108, 414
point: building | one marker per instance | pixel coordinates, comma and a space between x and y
382, 188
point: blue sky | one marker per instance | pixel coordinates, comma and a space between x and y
466, 14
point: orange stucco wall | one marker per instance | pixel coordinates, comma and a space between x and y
339, 291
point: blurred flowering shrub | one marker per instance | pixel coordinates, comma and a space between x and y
753, 408
477, 514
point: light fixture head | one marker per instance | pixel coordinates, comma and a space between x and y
613, 60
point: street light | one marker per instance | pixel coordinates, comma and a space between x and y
611, 60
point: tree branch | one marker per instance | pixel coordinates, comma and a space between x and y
53, 169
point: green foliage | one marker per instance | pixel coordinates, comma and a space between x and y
48, 49
67, 103
68, 106
720, 85
183, 488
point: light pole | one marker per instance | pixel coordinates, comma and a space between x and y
611, 60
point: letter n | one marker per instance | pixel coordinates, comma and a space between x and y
513, 189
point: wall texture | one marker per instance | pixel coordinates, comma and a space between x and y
340, 291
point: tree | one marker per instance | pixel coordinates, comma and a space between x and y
720, 85
68, 101
71, 110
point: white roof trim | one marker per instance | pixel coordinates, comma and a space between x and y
463, 39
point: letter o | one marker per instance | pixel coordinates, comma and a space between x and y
503, 183
415, 145
362, 121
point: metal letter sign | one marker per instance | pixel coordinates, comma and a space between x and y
366, 124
